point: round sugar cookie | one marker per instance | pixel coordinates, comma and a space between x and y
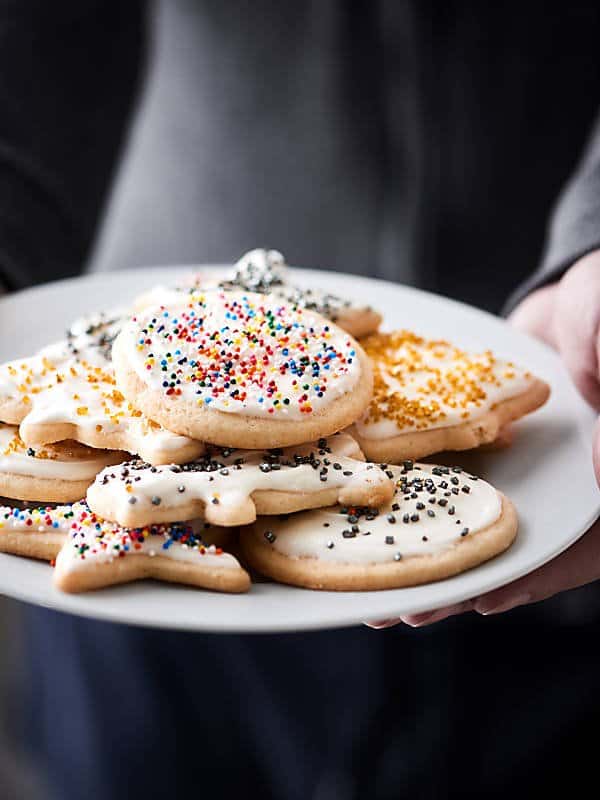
240, 370
266, 272
230, 487
58, 472
430, 396
441, 521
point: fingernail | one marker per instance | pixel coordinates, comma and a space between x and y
507, 605
416, 620
379, 624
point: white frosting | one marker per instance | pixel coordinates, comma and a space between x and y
423, 385
91, 542
42, 519
225, 480
320, 534
72, 382
239, 353
52, 462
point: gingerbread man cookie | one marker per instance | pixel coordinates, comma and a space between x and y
440, 522
430, 396
240, 370
229, 487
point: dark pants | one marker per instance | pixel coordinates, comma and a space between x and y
474, 707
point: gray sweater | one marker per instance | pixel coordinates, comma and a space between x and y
411, 141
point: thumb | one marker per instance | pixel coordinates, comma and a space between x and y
535, 314
577, 322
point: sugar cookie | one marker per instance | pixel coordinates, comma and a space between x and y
58, 472
229, 487
441, 521
238, 370
430, 396
97, 553
34, 532
68, 391
91, 553
265, 272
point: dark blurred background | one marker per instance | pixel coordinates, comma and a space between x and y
422, 142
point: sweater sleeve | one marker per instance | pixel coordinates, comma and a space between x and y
68, 78
574, 228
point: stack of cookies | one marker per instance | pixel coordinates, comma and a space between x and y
223, 428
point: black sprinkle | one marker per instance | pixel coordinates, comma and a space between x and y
270, 536
389, 540
156, 501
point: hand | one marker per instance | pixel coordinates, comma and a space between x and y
566, 316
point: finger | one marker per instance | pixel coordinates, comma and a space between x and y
380, 625
429, 617
596, 451
535, 313
576, 324
578, 565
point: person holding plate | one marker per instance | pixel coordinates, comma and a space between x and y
405, 141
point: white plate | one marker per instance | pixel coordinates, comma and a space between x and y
547, 472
